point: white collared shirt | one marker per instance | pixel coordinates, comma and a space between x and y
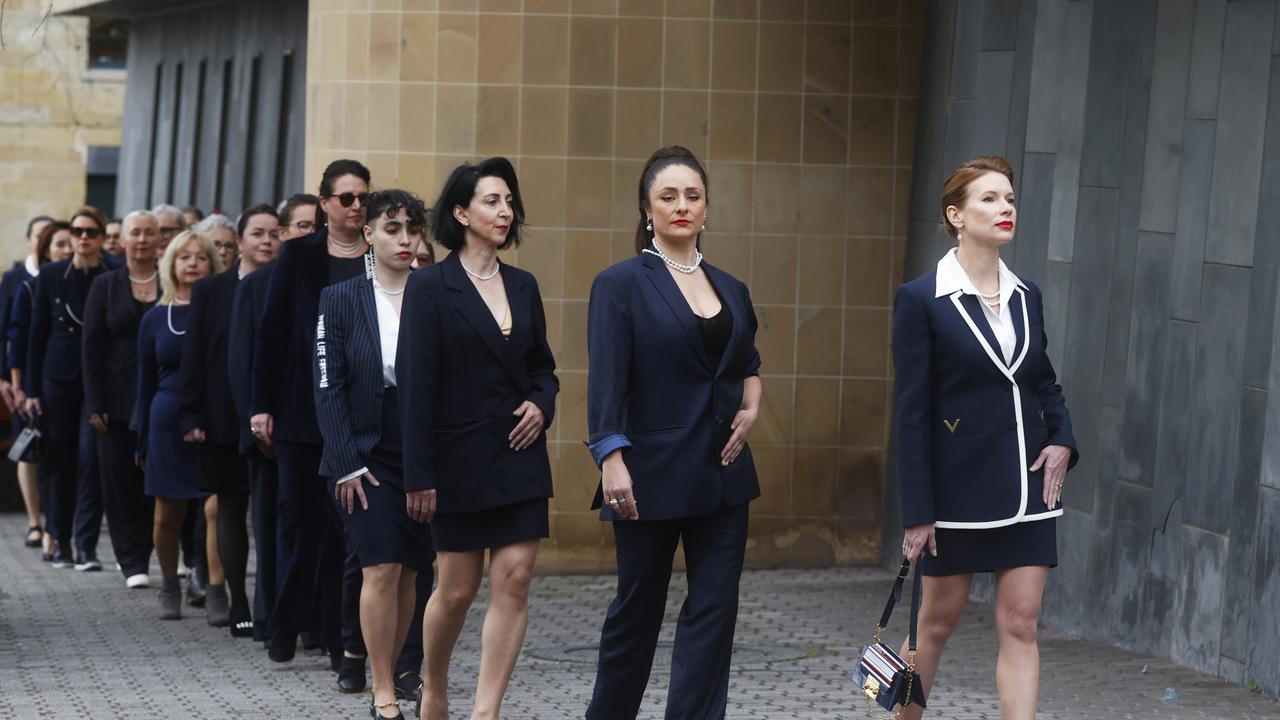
952, 277
388, 334
32, 266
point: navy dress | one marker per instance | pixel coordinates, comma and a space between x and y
173, 469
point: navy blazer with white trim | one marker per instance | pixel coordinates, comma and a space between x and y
652, 390
969, 426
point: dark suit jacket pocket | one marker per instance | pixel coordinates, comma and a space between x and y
653, 434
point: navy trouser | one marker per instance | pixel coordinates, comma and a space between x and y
263, 486
71, 460
714, 546
130, 513
309, 553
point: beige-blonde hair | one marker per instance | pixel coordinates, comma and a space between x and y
168, 281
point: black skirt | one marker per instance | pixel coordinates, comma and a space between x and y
505, 525
962, 551
385, 533
222, 469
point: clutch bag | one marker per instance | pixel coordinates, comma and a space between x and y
27, 446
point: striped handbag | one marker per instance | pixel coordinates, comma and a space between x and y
884, 678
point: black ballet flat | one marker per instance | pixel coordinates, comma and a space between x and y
373, 711
408, 686
242, 629
35, 537
282, 647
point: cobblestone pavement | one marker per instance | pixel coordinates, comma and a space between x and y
80, 645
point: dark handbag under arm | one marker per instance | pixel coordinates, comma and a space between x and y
881, 673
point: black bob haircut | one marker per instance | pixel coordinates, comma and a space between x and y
243, 220
460, 188
37, 219
388, 203
337, 169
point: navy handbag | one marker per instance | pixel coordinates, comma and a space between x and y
882, 675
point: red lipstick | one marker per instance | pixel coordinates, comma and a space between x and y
1005, 225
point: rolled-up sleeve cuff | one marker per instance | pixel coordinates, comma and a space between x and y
353, 475
601, 448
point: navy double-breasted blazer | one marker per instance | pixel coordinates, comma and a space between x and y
57, 317
348, 377
242, 335
653, 391
10, 285
460, 381
284, 345
109, 346
204, 386
969, 425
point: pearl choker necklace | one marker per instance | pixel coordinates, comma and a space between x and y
686, 269
490, 276
144, 280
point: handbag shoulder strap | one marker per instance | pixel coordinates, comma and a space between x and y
894, 596
915, 614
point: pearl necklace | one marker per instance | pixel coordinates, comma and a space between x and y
345, 249
144, 280
386, 291
170, 319
686, 269
490, 276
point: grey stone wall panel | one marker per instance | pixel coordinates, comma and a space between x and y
1163, 157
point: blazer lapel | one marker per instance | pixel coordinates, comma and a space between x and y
1018, 313
730, 302
467, 301
71, 288
976, 319
670, 293
122, 295
368, 307
521, 313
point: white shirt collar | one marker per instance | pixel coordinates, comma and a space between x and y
952, 277
32, 266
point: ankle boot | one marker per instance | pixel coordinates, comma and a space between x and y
217, 607
170, 599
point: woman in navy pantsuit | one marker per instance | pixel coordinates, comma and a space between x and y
359, 414
672, 396
171, 467
479, 390
984, 438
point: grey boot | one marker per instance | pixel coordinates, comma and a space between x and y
170, 599
217, 606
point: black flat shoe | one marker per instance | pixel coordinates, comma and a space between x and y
373, 711
408, 686
35, 536
282, 647
351, 675
242, 629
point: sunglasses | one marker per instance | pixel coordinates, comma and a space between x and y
167, 230
91, 233
348, 198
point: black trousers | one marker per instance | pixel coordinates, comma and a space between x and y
410, 660
263, 487
130, 513
309, 553
75, 492
714, 546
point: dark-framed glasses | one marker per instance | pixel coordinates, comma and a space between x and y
169, 230
88, 232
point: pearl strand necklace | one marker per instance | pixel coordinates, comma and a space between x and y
490, 276
678, 267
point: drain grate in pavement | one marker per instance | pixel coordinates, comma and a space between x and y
742, 654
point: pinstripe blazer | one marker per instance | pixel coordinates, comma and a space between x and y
969, 425
347, 371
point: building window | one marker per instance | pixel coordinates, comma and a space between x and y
100, 170
108, 43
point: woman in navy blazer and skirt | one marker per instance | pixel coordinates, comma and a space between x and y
984, 438
672, 396
359, 413
479, 390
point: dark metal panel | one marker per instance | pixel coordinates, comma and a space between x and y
1162, 160
1216, 409
1033, 216
1172, 448
1258, 353
1192, 213
965, 78
1043, 115
1000, 24
1238, 595
1066, 181
1242, 108
1146, 366
1020, 95
991, 110
1198, 605
1056, 289
1264, 655
1206, 59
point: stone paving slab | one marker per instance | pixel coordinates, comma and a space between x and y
80, 645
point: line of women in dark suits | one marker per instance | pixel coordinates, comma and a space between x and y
416, 433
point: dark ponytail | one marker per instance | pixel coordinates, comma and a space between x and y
660, 160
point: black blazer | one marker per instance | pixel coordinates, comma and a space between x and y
348, 377
204, 388
18, 332
57, 318
109, 346
10, 286
459, 381
286, 333
969, 426
242, 333
652, 389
